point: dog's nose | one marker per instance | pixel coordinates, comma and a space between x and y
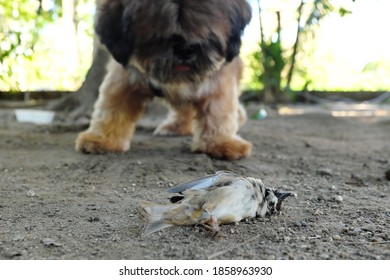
182, 50
184, 53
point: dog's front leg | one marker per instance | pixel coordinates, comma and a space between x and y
217, 120
215, 134
120, 103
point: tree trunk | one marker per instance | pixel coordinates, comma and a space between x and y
81, 102
295, 49
83, 99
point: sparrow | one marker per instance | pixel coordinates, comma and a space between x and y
220, 198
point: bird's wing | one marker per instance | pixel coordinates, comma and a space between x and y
218, 179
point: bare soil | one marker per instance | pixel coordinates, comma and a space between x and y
56, 203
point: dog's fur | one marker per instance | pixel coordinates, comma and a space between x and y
187, 52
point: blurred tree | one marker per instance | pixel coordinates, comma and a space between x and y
276, 63
81, 102
272, 61
69, 23
32, 36
20, 25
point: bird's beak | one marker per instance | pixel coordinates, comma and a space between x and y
282, 196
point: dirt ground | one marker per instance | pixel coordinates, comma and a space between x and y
56, 203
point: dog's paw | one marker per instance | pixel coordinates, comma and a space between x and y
173, 129
229, 148
91, 143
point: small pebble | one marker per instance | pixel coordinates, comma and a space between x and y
345, 230
357, 230
93, 219
30, 193
339, 198
336, 237
324, 172
17, 237
300, 224
369, 227
376, 239
260, 114
324, 256
12, 254
318, 212
50, 242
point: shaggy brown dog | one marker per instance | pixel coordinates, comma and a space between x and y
183, 50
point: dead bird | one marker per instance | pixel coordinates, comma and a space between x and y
220, 198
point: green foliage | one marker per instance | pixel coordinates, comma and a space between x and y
344, 12
20, 25
275, 65
270, 64
33, 42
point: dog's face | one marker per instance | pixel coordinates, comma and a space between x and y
173, 41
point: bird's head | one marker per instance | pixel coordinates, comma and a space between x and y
273, 201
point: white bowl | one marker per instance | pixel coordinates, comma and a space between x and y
34, 116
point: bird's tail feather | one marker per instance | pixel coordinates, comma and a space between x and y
152, 217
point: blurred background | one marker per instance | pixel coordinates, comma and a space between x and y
291, 46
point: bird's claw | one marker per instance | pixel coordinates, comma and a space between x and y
211, 225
